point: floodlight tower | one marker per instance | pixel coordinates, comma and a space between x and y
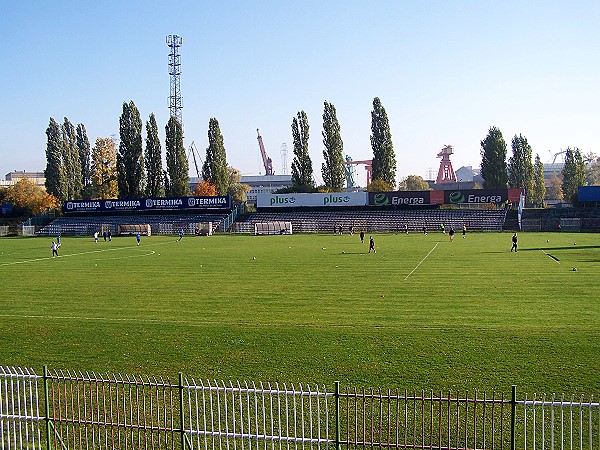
283, 152
175, 99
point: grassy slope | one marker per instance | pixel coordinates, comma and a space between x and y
311, 309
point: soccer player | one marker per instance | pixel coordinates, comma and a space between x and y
362, 236
137, 238
54, 248
96, 237
180, 235
464, 230
372, 245
451, 234
514, 243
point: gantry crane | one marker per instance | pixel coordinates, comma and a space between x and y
267, 162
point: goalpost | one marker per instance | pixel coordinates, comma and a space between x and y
132, 229
273, 228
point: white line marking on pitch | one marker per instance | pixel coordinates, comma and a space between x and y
430, 252
72, 254
550, 256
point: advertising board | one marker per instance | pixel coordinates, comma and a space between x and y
399, 198
316, 200
147, 204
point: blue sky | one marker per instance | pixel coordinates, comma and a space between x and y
445, 71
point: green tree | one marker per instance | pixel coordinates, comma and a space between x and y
236, 189
573, 174
413, 183
592, 166
178, 166
493, 160
83, 147
54, 173
380, 186
384, 159
539, 185
214, 169
74, 182
302, 170
333, 167
104, 169
130, 157
520, 167
155, 185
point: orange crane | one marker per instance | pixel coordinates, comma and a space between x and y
266, 160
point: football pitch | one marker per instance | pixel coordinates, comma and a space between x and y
421, 313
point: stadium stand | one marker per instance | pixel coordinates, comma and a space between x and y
160, 223
379, 221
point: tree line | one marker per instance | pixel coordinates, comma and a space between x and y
521, 171
75, 171
332, 169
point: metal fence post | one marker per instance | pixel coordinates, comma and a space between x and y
182, 431
338, 445
47, 402
513, 416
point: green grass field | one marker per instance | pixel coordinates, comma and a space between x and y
421, 313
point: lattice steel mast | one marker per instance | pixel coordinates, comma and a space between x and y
175, 99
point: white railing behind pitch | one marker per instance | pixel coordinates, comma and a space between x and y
559, 423
251, 417
19, 409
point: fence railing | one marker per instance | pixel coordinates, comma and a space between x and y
73, 410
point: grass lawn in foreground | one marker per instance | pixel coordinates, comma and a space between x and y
421, 313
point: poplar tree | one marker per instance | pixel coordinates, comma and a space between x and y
130, 158
573, 174
177, 163
539, 184
302, 171
333, 167
384, 159
83, 147
74, 183
214, 169
493, 160
520, 167
155, 186
54, 173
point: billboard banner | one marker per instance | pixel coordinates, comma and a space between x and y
399, 198
316, 200
469, 196
588, 194
147, 204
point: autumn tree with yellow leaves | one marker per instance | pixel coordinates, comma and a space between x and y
29, 198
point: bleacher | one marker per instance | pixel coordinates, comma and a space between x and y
159, 223
380, 221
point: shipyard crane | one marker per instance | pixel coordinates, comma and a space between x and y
267, 162
193, 150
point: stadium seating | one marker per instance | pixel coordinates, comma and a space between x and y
380, 221
159, 223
